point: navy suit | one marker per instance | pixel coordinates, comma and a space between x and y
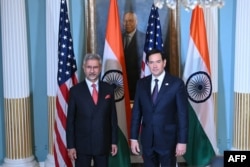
91, 129
163, 124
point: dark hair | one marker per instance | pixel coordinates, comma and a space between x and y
153, 51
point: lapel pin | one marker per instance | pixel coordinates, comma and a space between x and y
166, 84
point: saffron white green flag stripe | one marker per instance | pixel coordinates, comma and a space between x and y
114, 72
202, 145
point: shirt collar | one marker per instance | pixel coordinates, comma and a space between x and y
160, 77
89, 83
131, 34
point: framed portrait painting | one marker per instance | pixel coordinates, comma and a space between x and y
140, 11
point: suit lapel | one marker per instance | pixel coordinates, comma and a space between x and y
100, 93
132, 42
88, 94
164, 87
148, 87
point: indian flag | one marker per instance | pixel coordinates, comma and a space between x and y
114, 72
202, 145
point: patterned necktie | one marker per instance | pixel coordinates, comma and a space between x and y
94, 93
155, 91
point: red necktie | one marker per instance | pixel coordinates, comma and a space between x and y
94, 93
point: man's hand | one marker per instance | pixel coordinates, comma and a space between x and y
114, 149
72, 154
180, 149
135, 147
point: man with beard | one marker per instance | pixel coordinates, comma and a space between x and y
91, 129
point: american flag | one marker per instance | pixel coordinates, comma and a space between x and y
153, 38
66, 78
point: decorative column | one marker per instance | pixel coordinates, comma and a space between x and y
16, 85
211, 21
90, 26
52, 29
172, 43
241, 139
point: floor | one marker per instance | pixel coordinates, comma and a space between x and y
182, 164
138, 161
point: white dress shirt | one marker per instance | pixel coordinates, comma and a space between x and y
160, 80
89, 83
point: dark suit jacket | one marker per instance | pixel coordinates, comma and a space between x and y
91, 129
166, 123
133, 59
